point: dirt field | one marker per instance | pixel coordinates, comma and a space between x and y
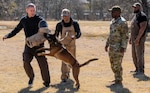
94, 78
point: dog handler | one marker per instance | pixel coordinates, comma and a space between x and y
70, 26
31, 24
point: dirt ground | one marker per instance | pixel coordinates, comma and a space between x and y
94, 78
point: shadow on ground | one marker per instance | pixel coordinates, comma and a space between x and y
65, 87
118, 88
62, 87
141, 77
27, 90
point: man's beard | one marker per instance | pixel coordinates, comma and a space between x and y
136, 11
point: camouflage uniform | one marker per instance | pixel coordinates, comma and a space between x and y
117, 39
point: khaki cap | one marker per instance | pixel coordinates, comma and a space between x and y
115, 8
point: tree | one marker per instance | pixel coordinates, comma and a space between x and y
7, 8
145, 6
80, 9
145, 9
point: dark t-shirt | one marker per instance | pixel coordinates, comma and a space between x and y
141, 17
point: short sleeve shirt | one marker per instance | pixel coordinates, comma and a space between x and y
141, 17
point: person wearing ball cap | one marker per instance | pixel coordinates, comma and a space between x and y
139, 24
117, 42
68, 31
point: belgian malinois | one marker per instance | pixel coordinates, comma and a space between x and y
57, 50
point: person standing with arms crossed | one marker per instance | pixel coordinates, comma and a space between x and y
31, 23
117, 42
139, 24
67, 29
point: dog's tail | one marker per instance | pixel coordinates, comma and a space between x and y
87, 62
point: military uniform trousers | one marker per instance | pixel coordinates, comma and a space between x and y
116, 64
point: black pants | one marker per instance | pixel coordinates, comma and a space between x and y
28, 55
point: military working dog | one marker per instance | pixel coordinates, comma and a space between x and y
58, 50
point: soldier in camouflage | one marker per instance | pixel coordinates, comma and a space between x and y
117, 42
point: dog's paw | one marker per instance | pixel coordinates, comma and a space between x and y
77, 86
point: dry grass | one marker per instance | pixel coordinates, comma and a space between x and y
94, 78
